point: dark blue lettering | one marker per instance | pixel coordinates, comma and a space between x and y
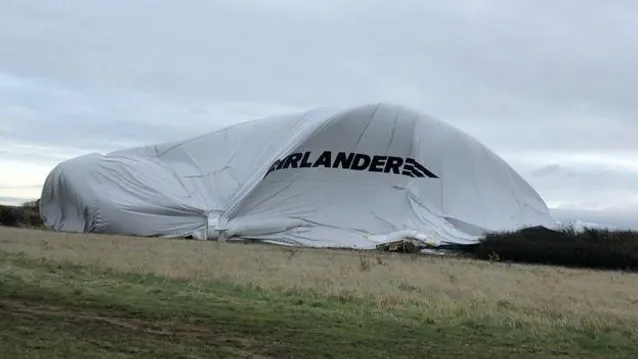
377, 163
361, 162
343, 161
354, 161
393, 164
324, 160
304, 161
293, 160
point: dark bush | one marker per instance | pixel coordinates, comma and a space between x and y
591, 248
8, 216
27, 215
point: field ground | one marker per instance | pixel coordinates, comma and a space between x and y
90, 296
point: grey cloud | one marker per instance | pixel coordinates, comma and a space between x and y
19, 187
538, 64
231, 49
594, 189
619, 219
546, 170
540, 77
104, 121
14, 201
28, 156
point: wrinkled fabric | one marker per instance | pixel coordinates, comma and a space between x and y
352, 178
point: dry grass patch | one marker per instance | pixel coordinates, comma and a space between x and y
436, 288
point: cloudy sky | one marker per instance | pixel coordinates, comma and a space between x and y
551, 86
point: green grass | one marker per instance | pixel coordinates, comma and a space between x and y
52, 309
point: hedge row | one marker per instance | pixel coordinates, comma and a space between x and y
27, 215
589, 248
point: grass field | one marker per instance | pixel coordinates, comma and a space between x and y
90, 296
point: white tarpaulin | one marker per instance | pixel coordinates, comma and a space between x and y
326, 178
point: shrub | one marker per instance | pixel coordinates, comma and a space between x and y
592, 248
8, 216
27, 215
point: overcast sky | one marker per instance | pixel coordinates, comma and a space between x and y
549, 85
